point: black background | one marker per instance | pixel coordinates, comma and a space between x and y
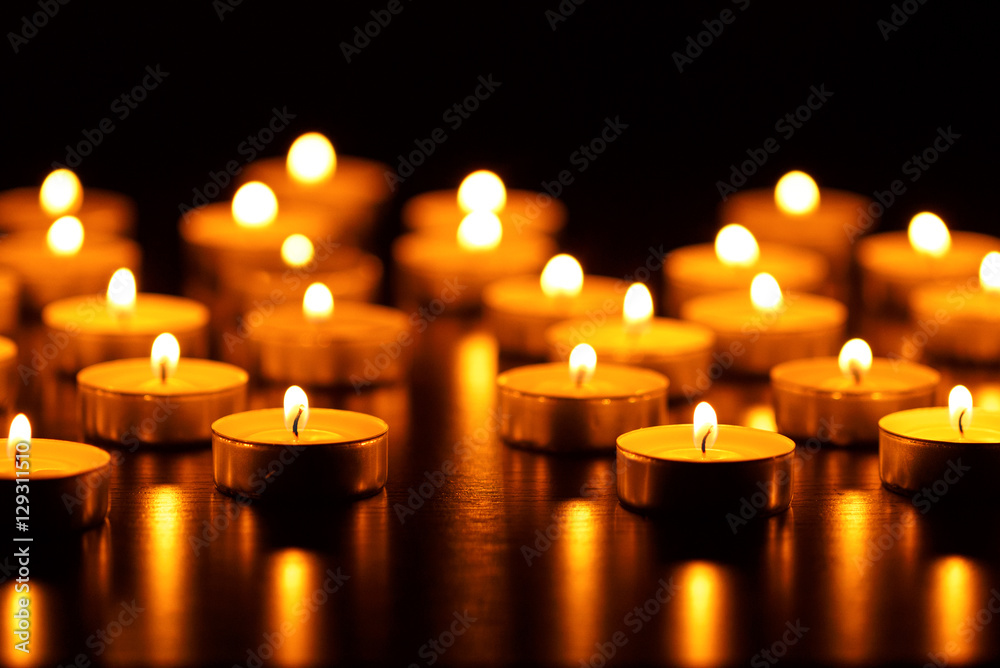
655, 185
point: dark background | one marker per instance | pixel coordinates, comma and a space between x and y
655, 185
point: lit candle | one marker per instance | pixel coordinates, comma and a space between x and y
841, 399
443, 210
122, 323
893, 264
704, 468
759, 328
34, 209
520, 308
452, 270
159, 400
317, 343
732, 262
941, 452
545, 408
675, 348
967, 315
300, 452
64, 261
67, 484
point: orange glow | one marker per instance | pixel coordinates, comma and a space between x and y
317, 303
929, 235
855, 359
121, 293
562, 277
20, 432
65, 236
297, 251
765, 293
706, 426
637, 309
296, 400
311, 159
582, 363
164, 355
735, 246
480, 231
482, 191
254, 205
796, 193
61, 193
989, 272
960, 408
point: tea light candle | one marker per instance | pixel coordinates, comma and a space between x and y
443, 210
34, 209
765, 327
675, 348
67, 483
122, 324
454, 270
893, 264
64, 262
733, 261
543, 407
520, 308
841, 399
967, 316
159, 400
314, 344
296, 452
678, 468
929, 452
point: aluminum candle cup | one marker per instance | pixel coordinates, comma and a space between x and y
812, 398
123, 403
920, 454
659, 470
542, 408
102, 211
340, 454
438, 211
93, 334
967, 321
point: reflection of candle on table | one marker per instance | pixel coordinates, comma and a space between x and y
300, 452
520, 308
162, 399
443, 210
840, 400
66, 483
732, 262
929, 453
102, 211
543, 407
893, 264
679, 468
756, 330
122, 324
675, 348
967, 315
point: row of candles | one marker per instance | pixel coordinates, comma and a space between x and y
751, 295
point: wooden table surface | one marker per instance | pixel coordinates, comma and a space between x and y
476, 553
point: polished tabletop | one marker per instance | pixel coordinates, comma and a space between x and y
477, 553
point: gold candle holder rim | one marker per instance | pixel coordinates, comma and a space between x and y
885, 421
242, 379
102, 458
787, 382
654, 377
789, 443
314, 412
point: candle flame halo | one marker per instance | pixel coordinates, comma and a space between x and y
482, 190
582, 363
929, 235
855, 359
20, 432
164, 355
637, 309
297, 250
296, 407
65, 236
562, 277
706, 426
735, 246
796, 193
480, 231
317, 303
765, 293
254, 205
61, 193
311, 159
121, 293
989, 272
960, 408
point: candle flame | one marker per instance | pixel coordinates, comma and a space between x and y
311, 158
254, 205
989, 272
582, 362
706, 426
317, 303
855, 359
482, 190
65, 236
796, 193
163, 357
929, 235
562, 277
765, 293
296, 409
960, 408
61, 193
121, 293
297, 250
735, 246
20, 432
637, 309
480, 231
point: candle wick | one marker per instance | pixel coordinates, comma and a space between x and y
295, 423
581, 374
704, 439
856, 374
961, 429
